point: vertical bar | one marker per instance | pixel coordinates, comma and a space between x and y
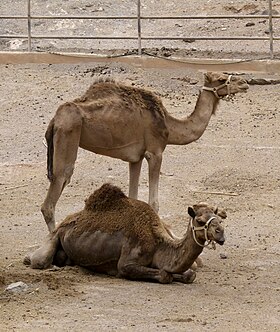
139, 27
270, 28
29, 24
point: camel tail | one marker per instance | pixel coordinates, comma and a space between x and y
49, 139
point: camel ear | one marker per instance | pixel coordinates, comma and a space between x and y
221, 213
208, 77
191, 212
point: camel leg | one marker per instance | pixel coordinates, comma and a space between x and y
186, 277
42, 258
138, 272
134, 174
154, 162
62, 176
48, 207
66, 142
133, 265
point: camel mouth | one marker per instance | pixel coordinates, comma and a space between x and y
244, 87
220, 242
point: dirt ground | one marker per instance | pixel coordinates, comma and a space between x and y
235, 165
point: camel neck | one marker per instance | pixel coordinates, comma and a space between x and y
189, 129
182, 254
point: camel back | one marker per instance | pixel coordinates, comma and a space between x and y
130, 95
109, 210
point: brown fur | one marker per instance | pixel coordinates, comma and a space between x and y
124, 237
120, 212
127, 123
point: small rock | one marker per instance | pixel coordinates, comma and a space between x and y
223, 256
17, 287
193, 82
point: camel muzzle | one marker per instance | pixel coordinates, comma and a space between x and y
221, 241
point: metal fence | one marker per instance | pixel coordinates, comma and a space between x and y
30, 36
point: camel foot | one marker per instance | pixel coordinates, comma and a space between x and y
189, 276
186, 278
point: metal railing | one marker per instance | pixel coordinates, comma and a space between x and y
139, 18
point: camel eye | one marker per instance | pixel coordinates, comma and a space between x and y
200, 221
217, 231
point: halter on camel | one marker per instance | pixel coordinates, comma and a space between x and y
205, 228
217, 88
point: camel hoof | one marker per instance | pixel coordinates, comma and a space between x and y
189, 276
165, 277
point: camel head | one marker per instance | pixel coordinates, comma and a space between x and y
206, 224
223, 85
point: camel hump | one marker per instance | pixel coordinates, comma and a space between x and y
104, 198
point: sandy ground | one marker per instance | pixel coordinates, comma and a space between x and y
238, 154
235, 165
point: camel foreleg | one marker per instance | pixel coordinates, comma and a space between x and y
139, 272
133, 264
187, 277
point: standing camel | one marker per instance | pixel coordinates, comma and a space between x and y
127, 123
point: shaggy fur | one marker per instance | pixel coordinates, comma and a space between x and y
124, 237
105, 89
135, 218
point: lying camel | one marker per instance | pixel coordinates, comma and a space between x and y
127, 123
124, 237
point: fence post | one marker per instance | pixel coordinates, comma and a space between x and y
139, 27
270, 29
29, 24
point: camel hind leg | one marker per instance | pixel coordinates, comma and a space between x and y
134, 175
154, 163
42, 258
65, 139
